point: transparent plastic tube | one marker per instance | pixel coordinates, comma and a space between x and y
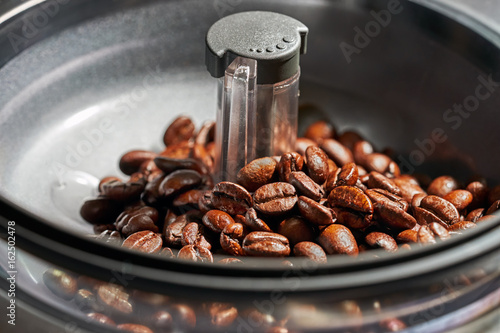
253, 120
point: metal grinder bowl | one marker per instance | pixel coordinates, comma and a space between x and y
98, 78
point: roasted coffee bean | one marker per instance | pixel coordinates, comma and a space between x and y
475, 215
339, 153
106, 180
296, 230
217, 220
441, 186
289, 163
319, 131
459, 227
380, 163
132, 161
317, 164
114, 299
205, 201
60, 283
314, 212
253, 222
479, 191
275, 198
167, 252
361, 150
194, 234
252, 315
101, 319
169, 164
206, 134
110, 236
352, 219
409, 187
173, 232
403, 204
151, 194
382, 241
100, 210
427, 233
181, 129
493, 208
222, 314
459, 198
331, 181
179, 181
231, 239
407, 236
349, 139
348, 175
195, 253
257, 173
201, 154
231, 198
377, 180
145, 241
441, 208
189, 198
310, 250
162, 321
266, 244
135, 328
301, 145
337, 239
181, 150
100, 228
306, 186
350, 197
137, 219
390, 210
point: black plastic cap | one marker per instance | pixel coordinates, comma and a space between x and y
274, 40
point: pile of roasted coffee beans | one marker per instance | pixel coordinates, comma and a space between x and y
334, 195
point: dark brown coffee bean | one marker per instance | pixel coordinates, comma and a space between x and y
440, 231
350, 197
479, 191
114, 299
181, 150
179, 181
222, 314
459, 198
231, 239
162, 321
201, 154
296, 230
266, 244
101, 319
139, 219
459, 227
379, 162
310, 250
189, 198
145, 241
377, 180
169, 164
441, 208
407, 236
132, 161
181, 129
409, 187
253, 222
257, 173
193, 234
231, 198
135, 328
100, 228
151, 194
349, 139
314, 212
348, 175
390, 210
205, 201
288, 163
206, 134
361, 150
173, 231
184, 317
441, 186
306, 186
100, 210
302, 143
337, 239
319, 131
275, 198
317, 164
110, 236
195, 253
339, 153
475, 215
493, 208
331, 180
60, 283
353, 219
106, 180
380, 240
427, 234
217, 220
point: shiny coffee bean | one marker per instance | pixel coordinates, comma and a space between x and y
442, 208
266, 244
135, 328
475, 215
319, 131
314, 212
179, 181
409, 187
339, 153
194, 234
257, 173
302, 144
459, 198
151, 194
100, 210
181, 129
331, 180
106, 180
493, 208
427, 234
296, 230
479, 191
60, 283
379, 181
114, 299
459, 227
275, 198
253, 222
390, 210
181, 150
201, 154
337, 239
217, 220
380, 240
85, 300
351, 198
441, 186
189, 198
110, 236
407, 236
231, 198
173, 232
162, 321
310, 250
195, 253
317, 164
289, 162
145, 241
231, 239
348, 175
361, 150
306, 186
137, 219
380, 163
222, 314
349, 139
101, 319
132, 161
170, 164
353, 219
206, 134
